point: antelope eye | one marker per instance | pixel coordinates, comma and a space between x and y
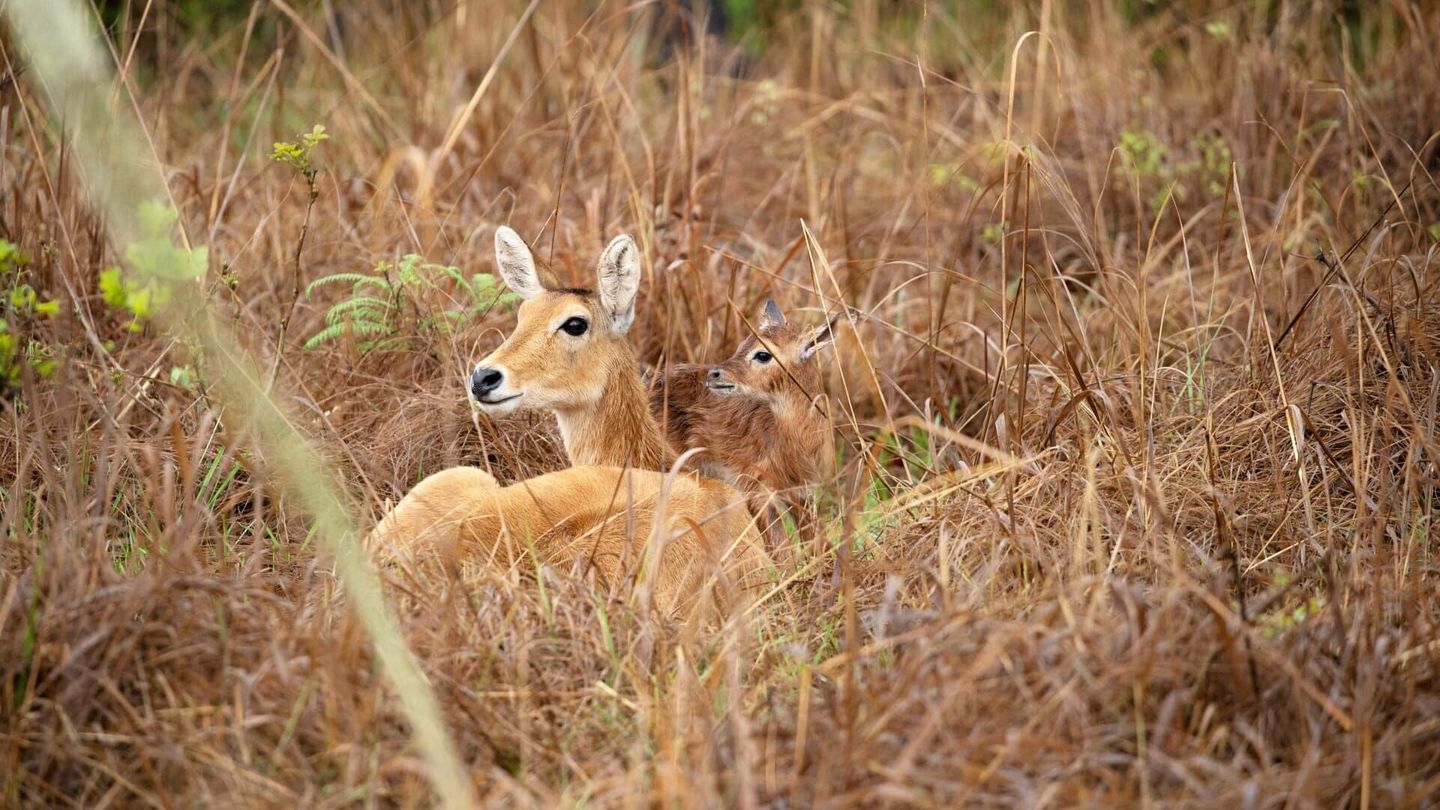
574, 327
761, 357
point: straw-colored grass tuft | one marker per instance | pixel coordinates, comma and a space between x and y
1137, 390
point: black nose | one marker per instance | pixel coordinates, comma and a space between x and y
714, 374
485, 380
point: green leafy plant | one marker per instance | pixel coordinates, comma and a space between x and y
22, 305
138, 299
952, 174
1149, 163
1145, 152
155, 263
184, 377
155, 254
300, 155
376, 309
1211, 168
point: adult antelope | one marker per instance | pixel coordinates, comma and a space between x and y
568, 354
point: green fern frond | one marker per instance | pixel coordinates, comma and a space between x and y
388, 344
454, 273
325, 335
409, 269
358, 279
377, 304
361, 306
355, 327
370, 328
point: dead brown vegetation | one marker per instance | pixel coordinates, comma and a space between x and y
1107, 528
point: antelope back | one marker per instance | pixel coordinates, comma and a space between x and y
599, 518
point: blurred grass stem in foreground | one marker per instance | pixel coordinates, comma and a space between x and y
123, 183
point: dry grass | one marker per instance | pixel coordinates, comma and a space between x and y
1099, 537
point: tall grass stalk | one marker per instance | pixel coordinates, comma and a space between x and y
1136, 482
105, 140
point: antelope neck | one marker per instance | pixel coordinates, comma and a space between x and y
618, 430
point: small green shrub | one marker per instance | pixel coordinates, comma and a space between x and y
155, 263
1147, 161
135, 298
375, 310
23, 305
300, 154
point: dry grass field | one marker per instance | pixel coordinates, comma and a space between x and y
1136, 394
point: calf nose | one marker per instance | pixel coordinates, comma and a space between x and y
714, 374
485, 380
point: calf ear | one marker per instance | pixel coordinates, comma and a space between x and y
619, 275
771, 317
822, 336
516, 264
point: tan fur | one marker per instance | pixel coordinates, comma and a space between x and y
590, 517
772, 428
589, 380
585, 519
592, 386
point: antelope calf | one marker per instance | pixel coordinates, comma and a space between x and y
762, 414
568, 354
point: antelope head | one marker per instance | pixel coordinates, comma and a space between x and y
775, 360
567, 343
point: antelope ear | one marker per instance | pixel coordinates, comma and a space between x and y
516, 264
822, 337
771, 316
619, 275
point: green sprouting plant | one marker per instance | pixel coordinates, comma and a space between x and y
1148, 162
375, 310
155, 254
1212, 168
1144, 153
1282, 620
300, 154
1219, 29
138, 299
156, 263
23, 304
184, 377
948, 174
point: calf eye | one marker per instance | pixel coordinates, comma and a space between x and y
761, 357
574, 327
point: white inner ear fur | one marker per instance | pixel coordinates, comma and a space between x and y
619, 275
516, 264
824, 336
